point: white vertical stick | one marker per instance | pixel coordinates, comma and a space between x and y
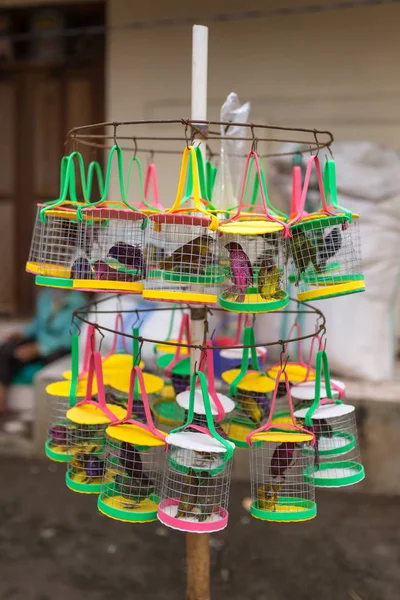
199, 111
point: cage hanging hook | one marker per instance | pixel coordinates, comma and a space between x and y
254, 142
316, 141
138, 357
150, 158
186, 124
74, 324
135, 147
115, 125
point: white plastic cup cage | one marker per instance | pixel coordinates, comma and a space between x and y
337, 461
134, 459
182, 249
324, 257
197, 474
88, 439
253, 252
278, 461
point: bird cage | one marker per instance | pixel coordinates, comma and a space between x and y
221, 406
251, 390
324, 257
337, 455
55, 242
252, 251
182, 249
197, 473
133, 464
176, 367
278, 460
88, 438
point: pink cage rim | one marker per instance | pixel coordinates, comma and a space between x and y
190, 526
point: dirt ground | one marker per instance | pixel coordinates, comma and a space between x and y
55, 545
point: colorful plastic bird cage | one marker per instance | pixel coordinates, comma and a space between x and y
252, 251
182, 248
88, 439
324, 258
278, 461
251, 389
337, 455
197, 473
133, 464
56, 242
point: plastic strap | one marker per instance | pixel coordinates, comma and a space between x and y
269, 425
239, 329
184, 330
211, 173
296, 325
322, 361
136, 377
296, 193
211, 383
151, 177
207, 405
119, 328
75, 368
270, 217
190, 151
330, 188
95, 367
256, 187
248, 339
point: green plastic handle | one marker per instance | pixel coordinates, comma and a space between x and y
207, 406
202, 180
75, 368
256, 187
248, 340
330, 188
322, 361
136, 360
211, 174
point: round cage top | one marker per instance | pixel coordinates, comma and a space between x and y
307, 392
88, 414
120, 381
179, 219
253, 381
111, 210
199, 442
67, 210
112, 365
135, 435
63, 389
326, 411
295, 371
183, 400
280, 437
248, 227
236, 353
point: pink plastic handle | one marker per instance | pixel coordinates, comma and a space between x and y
95, 367
318, 339
269, 424
184, 330
296, 194
199, 428
119, 328
325, 209
239, 329
151, 177
149, 426
296, 325
268, 215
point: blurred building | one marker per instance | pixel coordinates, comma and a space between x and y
332, 70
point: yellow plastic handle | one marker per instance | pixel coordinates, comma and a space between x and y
190, 151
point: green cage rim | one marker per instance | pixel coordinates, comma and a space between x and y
121, 514
82, 488
335, 481
56, 282
254, 307
61, 457
309, 511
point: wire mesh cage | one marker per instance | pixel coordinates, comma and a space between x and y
88, 439
337, 460
325, 256
253, 255
197, 474
132, 477
134, 460
113, 235
55, 244
182, 249
278, 462
251, 390
58, 445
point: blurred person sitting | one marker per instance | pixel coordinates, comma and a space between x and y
46, 338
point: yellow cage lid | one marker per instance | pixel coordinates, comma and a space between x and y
281, 436
133, 434
120, 381
256, 227
63, 388
88, 414
253, 381
295, 371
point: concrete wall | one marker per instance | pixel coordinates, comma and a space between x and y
332, 70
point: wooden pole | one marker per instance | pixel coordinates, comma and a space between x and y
198, 544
